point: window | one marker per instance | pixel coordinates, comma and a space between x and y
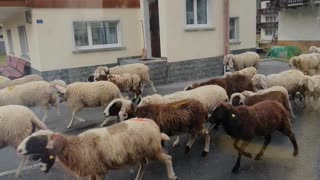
197, 12
267, 18
268, 32
96, 34
23, 42
10, 42
234, 29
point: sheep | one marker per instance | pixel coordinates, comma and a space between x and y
209, 96
244, 99
81, 95
151, 99
97, 151
230, 83
249, 72
311, 86
127, 82
314, 49
36, 93
186, 116
271, 89
307, 63
137, 68
5, 82
17, 123
289, 79
246, 122
241, 61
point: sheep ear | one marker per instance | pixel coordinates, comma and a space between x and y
263, 82
91, 78
231, 62
311, 85
61, 89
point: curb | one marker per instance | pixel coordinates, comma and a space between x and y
10, 172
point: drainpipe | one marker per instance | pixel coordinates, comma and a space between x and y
226, 29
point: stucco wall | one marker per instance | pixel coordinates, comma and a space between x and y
178, 44
12, 23
56, 36
301, 24
246, 11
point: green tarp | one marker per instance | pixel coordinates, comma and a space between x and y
285, 52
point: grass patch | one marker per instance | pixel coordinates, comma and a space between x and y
2, 59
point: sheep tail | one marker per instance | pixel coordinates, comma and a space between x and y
37, 124
164, 137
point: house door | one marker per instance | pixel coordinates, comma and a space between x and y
154, 28
23, 42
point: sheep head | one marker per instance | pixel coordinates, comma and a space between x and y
293, 62
191, 86
237, 99
259, 81
222, 114
61, 90
228, 60
118, 107
313, 49
45, 144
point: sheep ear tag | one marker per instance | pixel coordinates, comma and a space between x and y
51, 157
233, 115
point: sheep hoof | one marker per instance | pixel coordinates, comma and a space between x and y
295, 153
235, 170
204, 153
258, 157
187, 149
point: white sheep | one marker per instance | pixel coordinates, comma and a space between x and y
307, 63
241, 61
36, 93
289, 79
97, 151
249, 72
127, 82
210, 96
5, 82
17, 123
314, 49
137, 68
271, 89
81, 95
311, 88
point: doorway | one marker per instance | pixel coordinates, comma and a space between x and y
154, 28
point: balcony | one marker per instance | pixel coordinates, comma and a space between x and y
267, 11
276, 4
268, 25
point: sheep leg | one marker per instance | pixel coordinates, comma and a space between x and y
241, 149
74, 113
56, 105
96, 177
105, 122
176, 142
190, 143
290, 134
206, 135
21, 166
152, 86
236, 166
267, 140
140, 172
45, 110
167, 160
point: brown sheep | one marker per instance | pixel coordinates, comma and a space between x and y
232, 84
242, 99
246, 122
186, 116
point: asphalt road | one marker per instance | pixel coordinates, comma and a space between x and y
276, 164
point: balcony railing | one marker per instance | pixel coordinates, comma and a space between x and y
276, 4
267, 11
268, 25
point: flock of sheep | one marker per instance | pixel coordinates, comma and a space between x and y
245, 103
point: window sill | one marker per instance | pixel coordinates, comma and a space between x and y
206, 28
234, 42
78, 51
